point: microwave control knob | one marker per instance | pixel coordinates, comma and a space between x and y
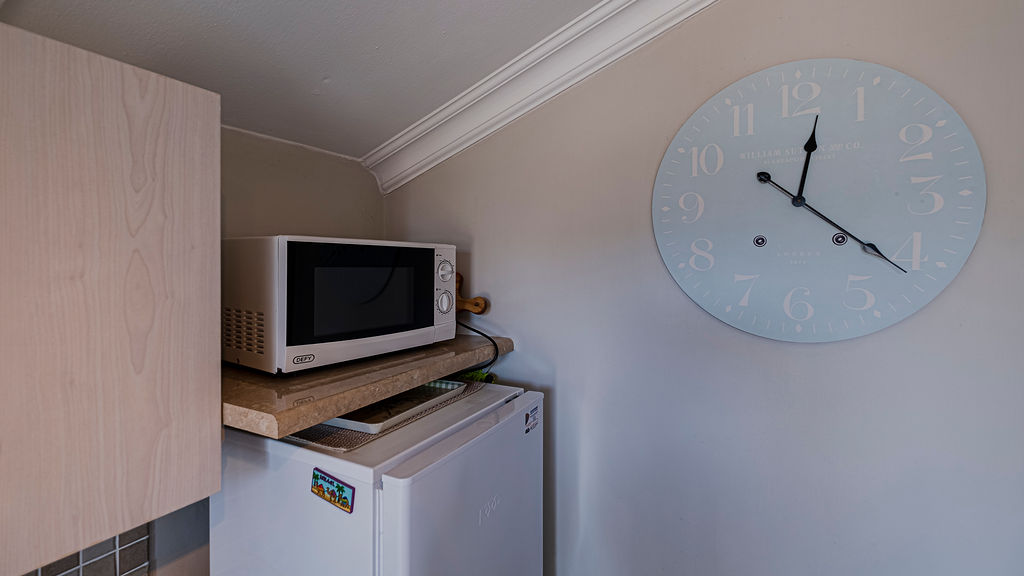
445, 302
445, 270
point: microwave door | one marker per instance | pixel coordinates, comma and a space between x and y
346, 297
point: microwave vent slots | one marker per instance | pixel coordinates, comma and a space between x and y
244, 330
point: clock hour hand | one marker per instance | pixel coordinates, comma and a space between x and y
809, 147
867, 247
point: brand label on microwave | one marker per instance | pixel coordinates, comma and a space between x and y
303, 359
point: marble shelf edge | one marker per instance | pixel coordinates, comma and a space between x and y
277, 405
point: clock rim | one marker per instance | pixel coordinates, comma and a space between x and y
782, 337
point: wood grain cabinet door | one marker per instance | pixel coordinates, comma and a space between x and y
109, 298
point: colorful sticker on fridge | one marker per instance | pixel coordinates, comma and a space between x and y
333, 490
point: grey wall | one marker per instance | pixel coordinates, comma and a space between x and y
274, 187
679, 445
179, 543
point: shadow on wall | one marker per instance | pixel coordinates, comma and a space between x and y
180, 542
272, 187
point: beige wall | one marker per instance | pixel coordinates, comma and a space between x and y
679, 445
273, 187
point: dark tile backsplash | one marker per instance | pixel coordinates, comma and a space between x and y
105, 566
60, 566
124, 555
101, 549
132, 535
131, 557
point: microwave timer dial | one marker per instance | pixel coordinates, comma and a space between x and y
445, 302
445, 270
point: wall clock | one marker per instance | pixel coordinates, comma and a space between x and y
819, 200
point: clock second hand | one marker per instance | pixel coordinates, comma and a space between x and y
868, 247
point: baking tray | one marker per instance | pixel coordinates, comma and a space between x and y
390, 411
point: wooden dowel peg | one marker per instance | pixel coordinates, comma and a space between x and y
478, 305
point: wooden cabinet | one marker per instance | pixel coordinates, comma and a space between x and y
109, 297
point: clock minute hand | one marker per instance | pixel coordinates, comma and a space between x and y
867, 247
809, 147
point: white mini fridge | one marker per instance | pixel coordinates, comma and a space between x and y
457, 492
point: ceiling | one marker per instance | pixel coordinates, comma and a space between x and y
398, 85
341, 75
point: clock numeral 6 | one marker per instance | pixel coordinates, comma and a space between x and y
699, 160
701, 260
869, 298
799, 310
692, 210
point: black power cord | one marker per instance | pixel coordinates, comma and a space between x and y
485, 366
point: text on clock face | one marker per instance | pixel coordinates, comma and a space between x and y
774, 156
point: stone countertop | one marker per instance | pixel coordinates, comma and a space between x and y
278, 405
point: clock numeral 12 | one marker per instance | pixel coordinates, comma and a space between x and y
802, 99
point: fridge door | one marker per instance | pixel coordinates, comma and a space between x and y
471, 504
268, 521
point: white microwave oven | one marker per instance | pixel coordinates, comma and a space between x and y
296, 302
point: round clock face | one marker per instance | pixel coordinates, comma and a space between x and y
819, 200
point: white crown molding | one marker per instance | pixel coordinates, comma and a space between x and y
599, 37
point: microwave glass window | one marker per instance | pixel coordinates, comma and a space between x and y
363, 297
350, 291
